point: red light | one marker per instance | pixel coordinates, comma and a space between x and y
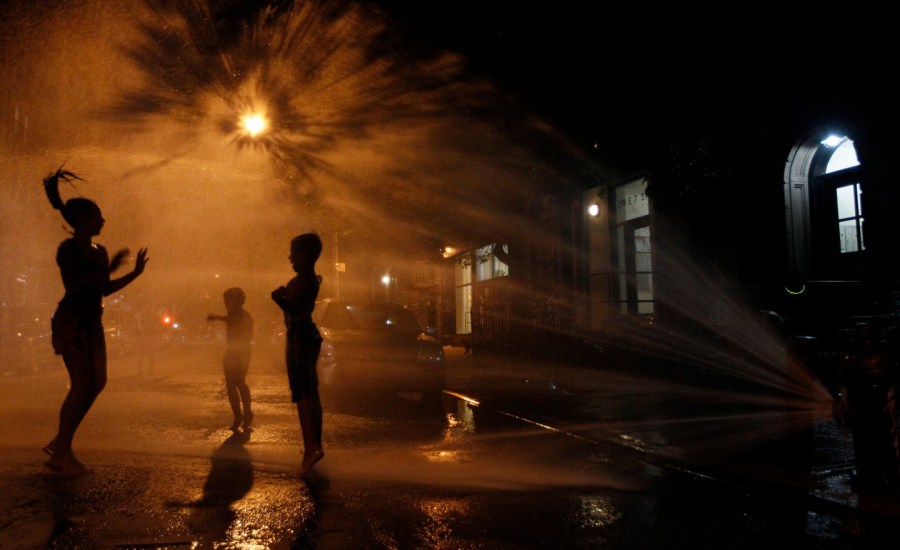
167, 319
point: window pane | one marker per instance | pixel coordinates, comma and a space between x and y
631, 200
338, 316
463, 272
500, 268
642, 257
463, 309
401, 320
843, 157
644, 286
642, 262
847, 231
484, 263
846, 205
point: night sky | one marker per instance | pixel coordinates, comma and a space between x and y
618, 79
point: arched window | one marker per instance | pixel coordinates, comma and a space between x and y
840, 178
844, 155
824, 206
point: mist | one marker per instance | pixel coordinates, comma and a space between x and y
396, 152
389, 153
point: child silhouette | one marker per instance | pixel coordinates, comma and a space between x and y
236, 362
76, 326
303, 343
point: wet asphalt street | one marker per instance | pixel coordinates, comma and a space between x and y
505, 473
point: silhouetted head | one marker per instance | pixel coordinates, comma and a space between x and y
234, 298
307, 246
80, 213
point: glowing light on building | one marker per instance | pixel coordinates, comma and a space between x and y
832, 141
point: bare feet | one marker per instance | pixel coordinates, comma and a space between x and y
310, 458
248, 419
50, 448
237, 423
67, 464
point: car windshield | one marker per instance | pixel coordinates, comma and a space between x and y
368, 317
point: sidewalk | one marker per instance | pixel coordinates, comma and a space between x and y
815, 467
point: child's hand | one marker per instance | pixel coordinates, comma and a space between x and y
141, 261
118, 258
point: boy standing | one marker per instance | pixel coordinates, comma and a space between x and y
239, 337
303, 344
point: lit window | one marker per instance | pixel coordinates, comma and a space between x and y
850, 219
839, 175
844, 156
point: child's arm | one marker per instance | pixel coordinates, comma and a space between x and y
215, 317
279, 296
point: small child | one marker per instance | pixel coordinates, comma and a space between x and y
303, 344
239, 338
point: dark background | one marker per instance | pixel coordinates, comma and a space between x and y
621, 80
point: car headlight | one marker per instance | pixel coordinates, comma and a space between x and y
430, 355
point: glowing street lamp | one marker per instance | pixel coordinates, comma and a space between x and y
254, 124
386, 281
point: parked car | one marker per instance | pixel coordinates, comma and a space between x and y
373, 350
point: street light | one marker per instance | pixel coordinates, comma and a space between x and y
254, 124
386, 281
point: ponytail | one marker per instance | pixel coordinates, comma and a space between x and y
51, 187
70, 210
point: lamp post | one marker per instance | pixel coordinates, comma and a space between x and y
339, 267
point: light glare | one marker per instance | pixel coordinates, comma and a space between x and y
832, 140
254, 124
